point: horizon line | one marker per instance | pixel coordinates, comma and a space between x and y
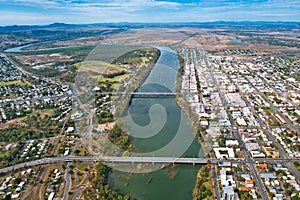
170, 22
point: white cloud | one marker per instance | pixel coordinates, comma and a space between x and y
105, 3
92, 11
9, 18
36, 2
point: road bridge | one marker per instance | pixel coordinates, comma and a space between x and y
153, 94
137, 160
141, 94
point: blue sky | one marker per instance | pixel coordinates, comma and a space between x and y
95, 11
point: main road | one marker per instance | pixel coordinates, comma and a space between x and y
146, 160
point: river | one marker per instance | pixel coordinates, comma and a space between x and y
20, 49
165, 132
238, 41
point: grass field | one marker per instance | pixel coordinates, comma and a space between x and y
82, 166
297, 165
77, 65
116, 86
101, 70
17, 82
114, 79
3, 154
48, 112
145, 59
99, 67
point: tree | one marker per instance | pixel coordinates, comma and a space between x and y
241, 179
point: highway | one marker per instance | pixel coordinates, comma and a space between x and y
89, 127
68, 182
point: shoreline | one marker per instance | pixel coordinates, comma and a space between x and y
181, 101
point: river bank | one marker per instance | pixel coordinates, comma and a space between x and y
183, 103
203, 187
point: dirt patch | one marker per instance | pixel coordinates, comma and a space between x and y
32, 60
10, 123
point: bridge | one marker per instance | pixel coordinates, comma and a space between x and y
107, 159
137, 160
142, 94
153, 94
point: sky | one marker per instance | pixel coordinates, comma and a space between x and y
97, 11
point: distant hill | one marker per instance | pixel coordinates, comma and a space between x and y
15, 28
217, 24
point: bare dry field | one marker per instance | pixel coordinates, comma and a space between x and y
211, 41
32, 60
157, 36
